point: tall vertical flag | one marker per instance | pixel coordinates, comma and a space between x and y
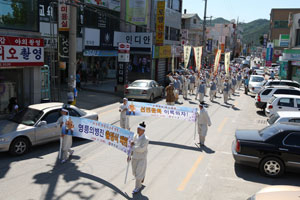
217, 61
198, 56
227, 62
187, 54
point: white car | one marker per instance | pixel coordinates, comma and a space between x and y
284, 116
260, 72
255, 83
282, 103
282, 83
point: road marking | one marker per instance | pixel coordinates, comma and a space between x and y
190, 174
221, 126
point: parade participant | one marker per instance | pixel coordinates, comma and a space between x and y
124, 119
170, 98
66, 139
177, 88
139, 156
192, 79
226, 90
213, 90
185, 87
233, 84
203, 121
246, 82
239, 80
201, 91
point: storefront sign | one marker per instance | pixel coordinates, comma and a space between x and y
284, 40
137, 11
20, 51
296, 63
160, 23
162, 111
123, 52
269, 54
64, 46
198, 56
265, 40
63, 16
91, 37
47, 11
162, 52
98, 131
100, 53
184, 34
110, 4
106, 39
187, 54
136, 40
122, 73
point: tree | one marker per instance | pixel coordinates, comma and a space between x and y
261, 40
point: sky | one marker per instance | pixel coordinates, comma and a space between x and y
246, 10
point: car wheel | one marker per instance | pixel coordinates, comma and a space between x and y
151, 98
272, 167
19, 146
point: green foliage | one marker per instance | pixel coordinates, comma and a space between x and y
252, 31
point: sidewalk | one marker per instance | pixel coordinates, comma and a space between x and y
107, 86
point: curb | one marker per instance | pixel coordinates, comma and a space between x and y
119, 94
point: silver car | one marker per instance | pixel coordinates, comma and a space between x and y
36, 124
145, 90
255, 83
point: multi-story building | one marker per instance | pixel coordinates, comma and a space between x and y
191, 29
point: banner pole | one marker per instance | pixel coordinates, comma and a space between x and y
126, 171
60, 147
195, 131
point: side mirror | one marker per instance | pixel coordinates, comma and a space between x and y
42, 123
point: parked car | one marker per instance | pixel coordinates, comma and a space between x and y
255, 83
36, 124
282, 83
265, 94
282, 103
259, 72
274, 149
284, 116
277, 192
145, 90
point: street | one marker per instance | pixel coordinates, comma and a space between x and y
177, 168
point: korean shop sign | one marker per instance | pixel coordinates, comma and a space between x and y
20, 51
63, 16
160, 23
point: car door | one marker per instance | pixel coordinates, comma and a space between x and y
297, 104
157, 88
285, 104
50, 131
153, 88
291, 144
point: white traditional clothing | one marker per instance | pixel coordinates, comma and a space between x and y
139, 159
185, 87
124, 119
66, 142
203, 121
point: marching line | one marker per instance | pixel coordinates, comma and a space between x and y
190, 174
221, 126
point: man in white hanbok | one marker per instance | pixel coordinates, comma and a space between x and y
124, 119
203, 121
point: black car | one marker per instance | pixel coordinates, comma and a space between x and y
273, 149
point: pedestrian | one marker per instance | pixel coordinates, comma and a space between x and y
201, 91
203, 121
239, 80
272, 75
139, 148
124, 119
170, 98
246, 82
213, 90
66, 138
226, 91
78, 80
13, 107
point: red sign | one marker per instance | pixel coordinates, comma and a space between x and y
20, 51
124, 48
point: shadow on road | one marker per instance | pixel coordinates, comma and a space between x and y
36, 152
261, 113
179, 146
252, 174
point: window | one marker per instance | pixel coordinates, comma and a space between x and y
297, 37
267, 91
282, 91
167, 33
293, 139
281, 24
294, 120
290, 84
298, 103
287, 102
195, 21
273, 118
51, 117
295, 92
174, 34
273, 83
73, 113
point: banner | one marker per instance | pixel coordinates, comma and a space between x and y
160, 23
98, 131
63, 16
163, 111
217, 60
136, 11
269, 54
198, 56
187, 54
227, 62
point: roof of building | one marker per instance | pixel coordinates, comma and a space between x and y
190, 15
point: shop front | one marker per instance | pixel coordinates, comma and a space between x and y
290, 64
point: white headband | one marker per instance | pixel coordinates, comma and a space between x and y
64, 110
140, 127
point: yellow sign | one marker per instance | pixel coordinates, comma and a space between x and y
163, 52
227, 62
217, 61
160, 23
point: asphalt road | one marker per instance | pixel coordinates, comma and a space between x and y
177, 169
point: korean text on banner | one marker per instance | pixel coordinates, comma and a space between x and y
198, 55
227, 62
63, 16
136, 11
160, 23
163, 111
217, 61
98, 131
187, 54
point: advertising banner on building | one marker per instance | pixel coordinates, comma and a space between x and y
227, 62
137, 11
187, 53
63, 16
91, 37
198, 56
163, 111
110, 4
98, 131
162, 51
269, 54
20, 51
217, 61
136, 40
160, 23
284, 40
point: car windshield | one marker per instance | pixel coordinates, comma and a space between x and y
257, 79
27, 116
269, 131
273, 118
139, 84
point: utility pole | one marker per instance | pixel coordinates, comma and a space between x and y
72, 53
204, 30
